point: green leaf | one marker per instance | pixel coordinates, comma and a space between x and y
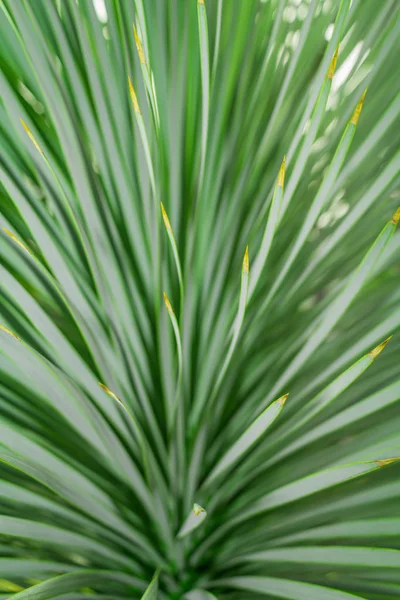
326, 555
205, 80
270, 229
312, 484
151, 592
247, 439
15, 568
366, 528
49, 535
200, 595
116, 417
284, 588
337, 308
72, 582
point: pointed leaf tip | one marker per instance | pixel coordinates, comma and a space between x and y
281, 176
332, 66
283, 399
396, 216
197, 509
386, 461
6, 330
376, 351
168, 304
15, 239
31, 136
357, 112
111, 394
139, 46
193, 520
246, 267
246, 441
9, 586
134, 99
165, 218
108, 391
25, 126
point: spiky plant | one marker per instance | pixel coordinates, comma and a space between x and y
146, 446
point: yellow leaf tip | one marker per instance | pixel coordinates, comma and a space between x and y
386, 461
396, 217
139, 46
134, 99
108, 391
357, 112
376, 351
15, 239
246, 263
168, 304
165, 218
10, 234
31, 136
200, 1
332, 66
197, 509
281, 175
283, 399
6, 330
10, 586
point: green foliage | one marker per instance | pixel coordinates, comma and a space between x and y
144, 363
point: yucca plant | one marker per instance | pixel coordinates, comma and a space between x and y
198, 209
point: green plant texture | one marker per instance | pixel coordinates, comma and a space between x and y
200, 299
